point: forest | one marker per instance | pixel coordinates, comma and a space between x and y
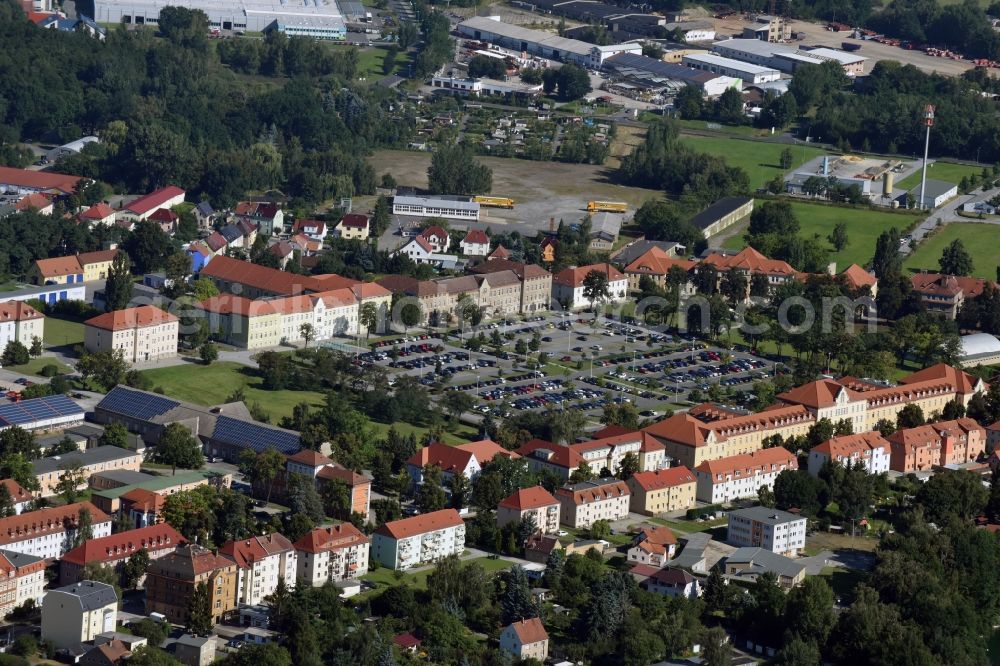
177, 109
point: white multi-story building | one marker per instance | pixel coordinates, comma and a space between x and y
410, 542
740, 476
19, 321
568, 285
50, 533
868, 448
590, 501
22, 577
78, 613
335, 553
142, 334
261, 562
609, 452
19, 495
760, 527
536, 503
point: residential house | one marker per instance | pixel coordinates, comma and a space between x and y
936, 445
747, 564
171, 581
499, 253
261, 562
585, 503
774, 530
200, 254
205, 215
476, 243
540, 547
466, 459
143, 507
49, 471
83, 267
114, 550
284, 250
332, 554
560, 459
322, 470
77, 613
536, 282
267, 215
860, 280
568, 286
36, 202
737, 477
314, 229
142, 334
403, 544
654, 545
111, 653
420, 251
49, 533
535, 504
21, 322
166, 219
708, 432
606, 452
22, 577
143, 207
868, 448
305, 246
353, 226
525, 639
193, 650
656, 264
675, 583
98, 214
946, 294
662, 491
20, 497
437, 238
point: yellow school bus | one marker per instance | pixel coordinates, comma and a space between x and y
607, 206
495, 202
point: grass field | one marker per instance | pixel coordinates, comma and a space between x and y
62, 332
371, 60
980, 240
863, 229
383, 577
212, 384
759, 159
35, 365
946, 171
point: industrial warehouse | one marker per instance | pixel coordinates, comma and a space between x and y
319, 19
663, 77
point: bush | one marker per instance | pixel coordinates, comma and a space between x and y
74, 309
702, 512
50, 370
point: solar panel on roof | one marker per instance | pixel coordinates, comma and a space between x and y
255, 436
136, 404
37, 409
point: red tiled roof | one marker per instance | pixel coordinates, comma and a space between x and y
153, 200
749, 260
231, 304
293, 304
530, 631
17, 492
450, 459
573, 277
39, 180
336, 298
96, 257
526, 499
933, 433
140, 317
216, 241
522, 271
673, 577
500, 253
58, 266
337, 472
858, 277
164, 215
435, 232
354, 221
18, 311
477, 236
820, 393
301, 225
760, 460
365, 290
939, 284
122, 544
46, 521
34, 200
553, 454
98, 211
847, 445
406, 641
260, 277
594, 491
311, 458
663, 478
245, 552
485, 450
657, 534
335, 537
262, 209
610, 431
963, 382
328, 281
687, 430
143, 500
426, 522
655, 261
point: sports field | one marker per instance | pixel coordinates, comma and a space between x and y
980, 240
863, 229
760, 159
949, 172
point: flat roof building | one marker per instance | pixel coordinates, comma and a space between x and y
459, 208
728, 67
652, 73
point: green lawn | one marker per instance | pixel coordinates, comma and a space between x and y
212, 384
760, 159
463, 434
946, 171
863, 229
844, 581
62, 332
385, 577
35, 365
710, 126
980, 240
370, 61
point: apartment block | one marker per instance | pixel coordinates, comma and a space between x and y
585, 503
568, 285
261, 562
738, 477
114, 550
142, 334
22, 577
331, 554
936, 445
662, 491
172, 579
50, 533
410, 542
48, 471
771, 529
534, 503
20, 322
77, 613
868, 448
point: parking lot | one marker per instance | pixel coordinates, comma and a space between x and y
588, 364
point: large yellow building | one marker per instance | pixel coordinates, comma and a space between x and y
662, 491
242, 323
73, 269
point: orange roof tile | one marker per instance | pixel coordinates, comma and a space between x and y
143, 500
121, 545
245, 552
153, 200
34, 200
858, 277
335, 537
573, 277
821, 393
261, 277
559, 455
240, 305
848, 445
311, 458
657, 534
485, 450
52, 520
663, 478
751, 462
39, 180
426, 522
18, 311
58, 266
749, 260
143, 316
530, 631
97, 257
594, 491
526, 499
99, 211
17, 492
657, 262
365, 290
